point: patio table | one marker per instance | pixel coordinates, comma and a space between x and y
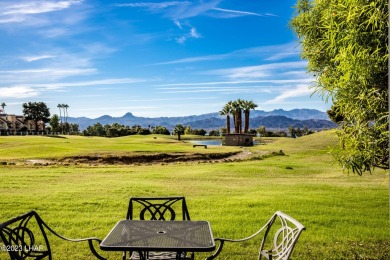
155, 235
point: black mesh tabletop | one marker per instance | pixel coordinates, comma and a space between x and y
194, 236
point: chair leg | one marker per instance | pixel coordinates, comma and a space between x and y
218, 251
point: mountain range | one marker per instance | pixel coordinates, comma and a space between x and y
276, 119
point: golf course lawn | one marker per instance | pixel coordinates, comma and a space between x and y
346, 215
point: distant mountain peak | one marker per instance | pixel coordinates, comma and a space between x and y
105, 117
128, 115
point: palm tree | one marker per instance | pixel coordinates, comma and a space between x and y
227, 111
65, 106
237, 113
234, 109
62, 126
3, 105
247, 106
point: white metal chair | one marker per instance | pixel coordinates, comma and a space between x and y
25, 237
286, 231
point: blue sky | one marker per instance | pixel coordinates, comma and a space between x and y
157, 58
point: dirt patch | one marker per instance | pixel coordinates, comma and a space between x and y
38, 161
146, 158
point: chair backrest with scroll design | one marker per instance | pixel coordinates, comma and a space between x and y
24, 237
158, 208
280, 234
286, 231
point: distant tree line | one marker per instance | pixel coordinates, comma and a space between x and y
117, 130
64, 128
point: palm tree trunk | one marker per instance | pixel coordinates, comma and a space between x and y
228, 124
235, 122
66, 119
239, 125
246, 128
59, 107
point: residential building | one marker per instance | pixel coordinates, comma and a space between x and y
17, 125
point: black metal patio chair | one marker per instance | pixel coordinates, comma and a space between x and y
25, 237
286, 231
158, 208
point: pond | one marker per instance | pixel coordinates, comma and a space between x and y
207, 142
217, 142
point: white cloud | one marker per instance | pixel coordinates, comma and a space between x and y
19, 11
44, 18
193, 10
268, 53
271, 52
260, 71
283, 55
178, 24
54, 32
154, 6
181, 39
235, 13
55, 64
169, 99
18, 92
36, 7
178, 10
46, 73
299, 91
194, 59
90, 83
32, 90
193, 34
36, 58
11, 20
222, 90
272, 81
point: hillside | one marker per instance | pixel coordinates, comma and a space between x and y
277, 119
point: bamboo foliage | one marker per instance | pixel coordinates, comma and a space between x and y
345, 43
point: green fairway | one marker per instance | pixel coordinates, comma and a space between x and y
346, 216
43, 147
